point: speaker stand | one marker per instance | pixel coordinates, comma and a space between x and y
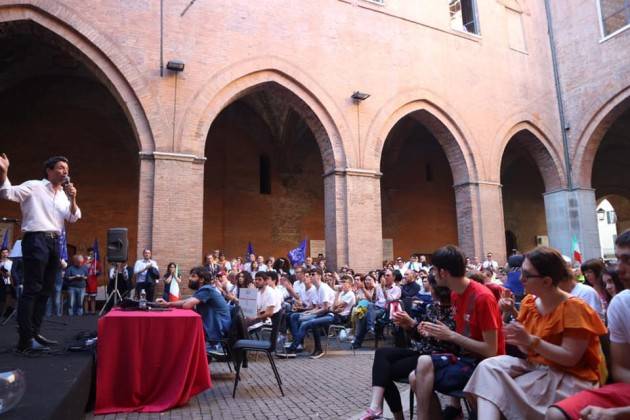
115, 294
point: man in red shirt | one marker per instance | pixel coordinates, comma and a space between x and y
478, 332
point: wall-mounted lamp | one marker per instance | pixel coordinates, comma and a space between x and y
175, 65
359, 96
601, 215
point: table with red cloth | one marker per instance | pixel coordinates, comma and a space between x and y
149, 361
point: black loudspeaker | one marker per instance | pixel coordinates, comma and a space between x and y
117, 245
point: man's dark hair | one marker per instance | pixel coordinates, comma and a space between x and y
549, 263
623, 240
262, 274
202, 273
273, 276
4, 249
52, 161
451, 259
318, 271
397, 276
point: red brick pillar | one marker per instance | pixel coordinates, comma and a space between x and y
174, 194
480, 225
354, 235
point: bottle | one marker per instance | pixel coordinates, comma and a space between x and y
142, 303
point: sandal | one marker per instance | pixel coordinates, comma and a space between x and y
371, 414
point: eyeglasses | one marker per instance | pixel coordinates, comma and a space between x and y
526, 275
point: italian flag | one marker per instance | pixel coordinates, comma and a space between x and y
173, 291
575, 247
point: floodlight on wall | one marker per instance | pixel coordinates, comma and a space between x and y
175, 65
359, 96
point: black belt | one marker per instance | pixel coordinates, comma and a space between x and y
51, 235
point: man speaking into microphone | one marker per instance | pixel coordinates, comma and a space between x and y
45, 204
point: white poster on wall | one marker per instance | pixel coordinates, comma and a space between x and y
388, 249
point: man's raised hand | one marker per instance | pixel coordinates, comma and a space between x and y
4, 164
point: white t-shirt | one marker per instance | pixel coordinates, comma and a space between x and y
298, 288
492, 263
279, 298
619, 318
325, 294
283, 291
309, 297
349, 300
590, 296
266, 297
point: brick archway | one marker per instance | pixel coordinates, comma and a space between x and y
591, 137
112, 67
439, 119
116, 75
230, 84
540, 148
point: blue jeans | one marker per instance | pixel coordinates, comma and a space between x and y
76, 300
367, 323
294, 323
313, 324
56, 297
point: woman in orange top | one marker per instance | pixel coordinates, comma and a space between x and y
560, 335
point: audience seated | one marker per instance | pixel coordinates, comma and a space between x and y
610, 401
394, 364
560, 335
478, 333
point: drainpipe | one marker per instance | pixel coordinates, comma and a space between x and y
556, 78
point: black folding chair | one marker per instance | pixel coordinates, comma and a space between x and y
229, 338
241, 347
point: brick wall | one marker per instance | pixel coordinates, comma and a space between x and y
418, 201
80, 120
235, 211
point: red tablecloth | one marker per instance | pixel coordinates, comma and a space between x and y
149, 361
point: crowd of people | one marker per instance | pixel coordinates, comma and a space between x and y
537, 337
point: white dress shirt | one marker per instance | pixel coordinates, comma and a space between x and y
140, 272
43, 208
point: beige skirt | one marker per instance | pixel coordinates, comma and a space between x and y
522, 390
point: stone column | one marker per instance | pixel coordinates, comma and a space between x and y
480, 225
573, 213
145, 203
176, 229
354, 234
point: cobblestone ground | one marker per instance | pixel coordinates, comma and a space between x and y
337, 386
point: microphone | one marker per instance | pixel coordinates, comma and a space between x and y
64, 184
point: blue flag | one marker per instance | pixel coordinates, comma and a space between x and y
5, 240
63, 246
250, 250
97, 254
95, 265
298, 255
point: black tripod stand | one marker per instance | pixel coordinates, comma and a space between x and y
114, 295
